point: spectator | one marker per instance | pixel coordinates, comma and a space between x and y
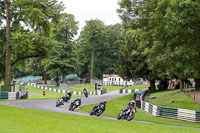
44, 93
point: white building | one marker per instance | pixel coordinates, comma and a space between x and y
114, 79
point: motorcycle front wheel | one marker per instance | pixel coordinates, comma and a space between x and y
119, 116
99, 113
129, 118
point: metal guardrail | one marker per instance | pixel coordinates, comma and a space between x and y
124, 91
172, 113
150, 108
9, 95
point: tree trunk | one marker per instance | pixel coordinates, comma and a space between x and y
45, 78
181, 84
163, 85
92, 63
197, 83
63, 77
152, 86
8, 46
57, 79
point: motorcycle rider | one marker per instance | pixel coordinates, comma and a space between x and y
77, 101
85, 92
69, 93
75, 104
102, 105
130, 105
67, 96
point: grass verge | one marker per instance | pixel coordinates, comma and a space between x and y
49, 94
21, 120
89, 87
114, 107
137, 87
180, 100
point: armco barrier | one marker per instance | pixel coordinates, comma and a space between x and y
168, 112
9, 95
150, 108
97, 92
172, 113
180, 114
124, 91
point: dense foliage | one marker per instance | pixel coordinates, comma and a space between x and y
169, 37
97, 49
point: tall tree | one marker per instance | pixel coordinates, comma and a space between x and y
61, 59
90, 44
26, 16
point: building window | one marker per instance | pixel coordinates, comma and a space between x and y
119, 79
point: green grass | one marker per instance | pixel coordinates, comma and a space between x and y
166, 98
22, 120
89, 87
1, 82
112, 88
164, 93
49, 94
137, 87
113, 108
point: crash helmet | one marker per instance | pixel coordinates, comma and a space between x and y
133, 102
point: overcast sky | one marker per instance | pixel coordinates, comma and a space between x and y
83, 10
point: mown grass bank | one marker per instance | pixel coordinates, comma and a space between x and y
89, 87
21, 120
137, 87
175, 99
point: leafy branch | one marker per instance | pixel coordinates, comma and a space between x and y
25, 57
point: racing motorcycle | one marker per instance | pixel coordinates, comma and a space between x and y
127, 114
63, 99
75, 104
60, 102
66, 98
98, 109
85, 92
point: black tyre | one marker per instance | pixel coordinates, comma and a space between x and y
58, 104
70, 107
92, 112
73, 108
99, 113
129, 118
119, 116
